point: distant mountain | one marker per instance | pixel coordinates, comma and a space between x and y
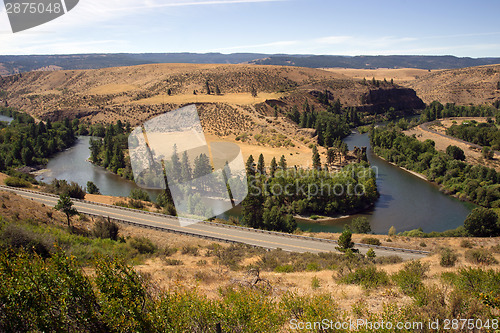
369, 62
26, 63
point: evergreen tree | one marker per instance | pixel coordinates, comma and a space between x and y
282, 163
260, 165
273, 167
92, 188
316, 159
295, 114
217, 90
303, 120
330, 156
65, 204
176, 166
186, 172
250, 166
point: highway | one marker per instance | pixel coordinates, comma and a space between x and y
213, 231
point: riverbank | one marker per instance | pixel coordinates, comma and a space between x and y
416, 174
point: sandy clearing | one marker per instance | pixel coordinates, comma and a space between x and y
231, 98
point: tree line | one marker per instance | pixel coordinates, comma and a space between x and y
26, 142
436, 110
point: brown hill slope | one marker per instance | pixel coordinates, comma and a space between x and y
472, 85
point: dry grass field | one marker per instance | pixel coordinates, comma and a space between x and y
399, 75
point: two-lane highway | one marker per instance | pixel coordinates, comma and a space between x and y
265, 239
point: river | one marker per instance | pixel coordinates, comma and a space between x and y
73, 165
406, 201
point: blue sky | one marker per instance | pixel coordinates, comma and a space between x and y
351, 27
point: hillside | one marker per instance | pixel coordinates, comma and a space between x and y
243, 111
472, 85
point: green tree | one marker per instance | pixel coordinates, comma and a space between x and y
186, 172
345, 241
217, 90
92, 188
330, 156
316, 159
482, 222
65, 205
261, 166
282, 163
455, 152
253, 91
273, 167
359, 225
487, 153
138, 194
250, 166
176, 165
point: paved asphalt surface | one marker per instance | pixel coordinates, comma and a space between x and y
270, 240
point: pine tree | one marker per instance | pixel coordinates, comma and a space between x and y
316, 159
260, 165
250, 166
330, 156
217, 90
282, 163
65, 204
176, 165
273, 167
186, 172
295, 114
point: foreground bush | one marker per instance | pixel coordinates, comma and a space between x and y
368, 278
480, 256
16, 182
53, 295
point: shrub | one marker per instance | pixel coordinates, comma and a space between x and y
409, 279
370, 241
370, 253
143, 245
284, 269
168, 251
423, 244
465, 243
368, 277
448, 258
139, 194
392, 231
17, 237
480, 256
16, 182
105, 229
191, 250
173, 262
315, 283
392, 259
